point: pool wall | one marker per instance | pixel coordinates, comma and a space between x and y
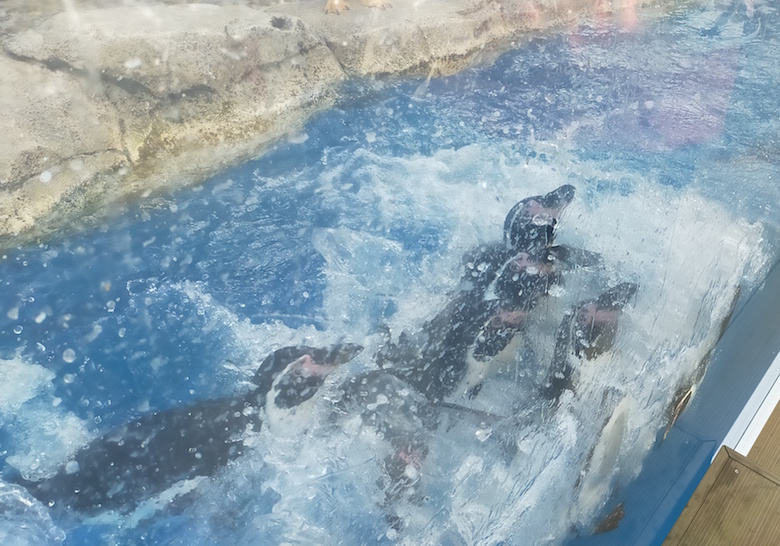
729, 407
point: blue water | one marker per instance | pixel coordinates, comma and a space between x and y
164, 303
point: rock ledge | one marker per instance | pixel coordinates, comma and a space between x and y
105, 104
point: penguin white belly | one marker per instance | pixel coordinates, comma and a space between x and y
291, 421
478, 371
602, 465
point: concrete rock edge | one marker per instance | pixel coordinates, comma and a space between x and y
169, 95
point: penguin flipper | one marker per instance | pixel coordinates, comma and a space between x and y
569, 257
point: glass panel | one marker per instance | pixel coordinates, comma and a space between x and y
553, 372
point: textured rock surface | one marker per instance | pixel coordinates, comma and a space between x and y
58, 133
181, 91
105, 103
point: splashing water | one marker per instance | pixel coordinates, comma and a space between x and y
360, 229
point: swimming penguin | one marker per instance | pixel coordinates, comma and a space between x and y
502, 283
524, 267
584, 334
145, 457
687, 389
517, 288
434, 361
403, 420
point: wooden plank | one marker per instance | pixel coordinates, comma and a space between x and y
696, 502
737, 502
766, 449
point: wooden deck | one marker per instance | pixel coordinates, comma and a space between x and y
738, 500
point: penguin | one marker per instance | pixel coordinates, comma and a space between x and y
687, 388
524, 267
585, 333
403, 420
434, 361
516, 290
501, 285
145, 457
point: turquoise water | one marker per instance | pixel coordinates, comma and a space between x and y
358, 224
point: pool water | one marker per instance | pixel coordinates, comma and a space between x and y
358, 225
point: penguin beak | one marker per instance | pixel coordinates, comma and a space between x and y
342, 353
302, 377
319, 363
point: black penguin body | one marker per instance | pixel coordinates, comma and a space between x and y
435, 362
502, 283
586, 333
145, 457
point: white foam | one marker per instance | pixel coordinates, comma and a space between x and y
19, 382
24, 521
45, 435
251, 342
687, 254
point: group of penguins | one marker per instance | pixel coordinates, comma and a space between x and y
401, 398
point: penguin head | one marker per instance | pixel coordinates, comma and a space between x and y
596, 321
292, 375
299, 381
532, 221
